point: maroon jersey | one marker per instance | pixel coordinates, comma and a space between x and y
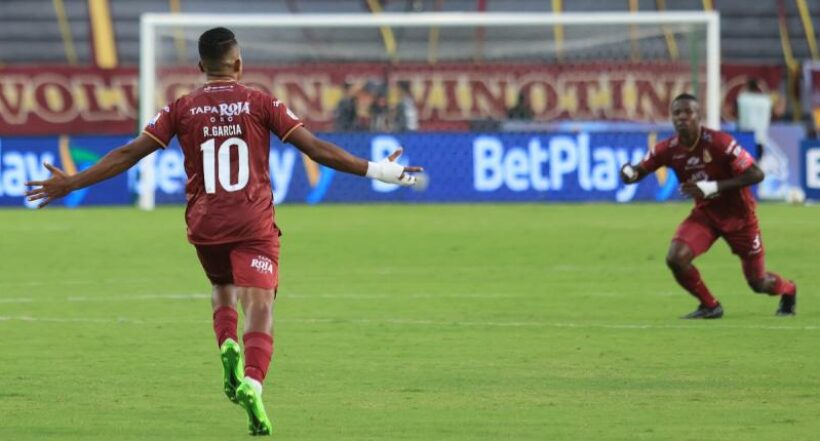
714, 157
224, 130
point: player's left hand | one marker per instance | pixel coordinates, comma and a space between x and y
691, 190
55, 187
387, 170
628, 174
699, 190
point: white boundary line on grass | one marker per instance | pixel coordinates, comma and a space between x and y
351, 296
89, 320
622, 326
138, 297
123, 299
32, 283
511, 324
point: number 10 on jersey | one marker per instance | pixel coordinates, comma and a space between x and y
211, 164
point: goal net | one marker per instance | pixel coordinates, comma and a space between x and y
464, 71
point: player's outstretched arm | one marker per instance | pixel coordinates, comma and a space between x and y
333, 156
112, 164
704, 189
631, 174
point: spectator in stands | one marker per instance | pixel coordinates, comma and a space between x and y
754, 113
407, 115
346, 116
380, 120
522, 109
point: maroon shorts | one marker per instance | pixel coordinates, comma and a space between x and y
252, 263
699, 233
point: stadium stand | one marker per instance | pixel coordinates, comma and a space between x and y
30, 32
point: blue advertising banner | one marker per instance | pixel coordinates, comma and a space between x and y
463, 167
810, 168
781, 160
459, 167
22, 158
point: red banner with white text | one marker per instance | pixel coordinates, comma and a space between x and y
66, 100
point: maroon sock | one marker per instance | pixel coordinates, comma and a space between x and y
690, 281
782, 286
258, 351
225, 319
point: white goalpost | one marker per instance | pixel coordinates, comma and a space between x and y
168, 42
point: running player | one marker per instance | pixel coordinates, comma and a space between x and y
717, 173
224, 130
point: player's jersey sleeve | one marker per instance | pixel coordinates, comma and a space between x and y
656, 157
734, 154
281, 120
162, 127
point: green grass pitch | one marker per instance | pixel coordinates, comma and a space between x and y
428, 322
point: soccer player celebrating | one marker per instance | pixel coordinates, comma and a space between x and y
223, 128
717, 173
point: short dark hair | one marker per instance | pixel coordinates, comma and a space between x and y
215, 43
753, 84
685, 96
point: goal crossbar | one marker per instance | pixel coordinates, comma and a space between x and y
467, 19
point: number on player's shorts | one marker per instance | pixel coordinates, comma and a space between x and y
210, 166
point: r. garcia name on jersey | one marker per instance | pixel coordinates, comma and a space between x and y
229, 130
224, 109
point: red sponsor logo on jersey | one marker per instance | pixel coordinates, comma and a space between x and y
224, 109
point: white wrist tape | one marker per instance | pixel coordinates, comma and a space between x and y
389, 172
630, 172
709, 188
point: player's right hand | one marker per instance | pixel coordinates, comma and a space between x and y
55, 187
388, 171
628, 174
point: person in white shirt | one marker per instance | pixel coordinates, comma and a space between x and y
754, 113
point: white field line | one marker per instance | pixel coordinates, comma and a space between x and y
405, 322
354, 296
399, 322
123, 298
89, 320
638, 326
350, 296
32, 283
139, 297
562, 268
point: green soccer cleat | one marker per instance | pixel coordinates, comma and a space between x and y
232, 367
258, 422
